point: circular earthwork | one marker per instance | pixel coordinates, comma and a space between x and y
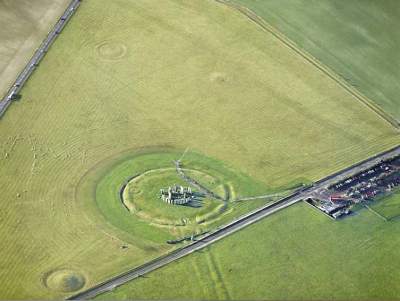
141, 196
64, 281
121, 194
112, 51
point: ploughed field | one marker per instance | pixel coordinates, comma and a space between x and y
23, 26
127, 78
354, 38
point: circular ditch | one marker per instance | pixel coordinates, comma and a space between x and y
111, 50
64, 280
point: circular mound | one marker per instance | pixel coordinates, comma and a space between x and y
65, 281
111, 50
142, 197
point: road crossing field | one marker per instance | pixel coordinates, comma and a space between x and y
297, 253
130, 77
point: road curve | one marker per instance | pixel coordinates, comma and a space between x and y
232, 227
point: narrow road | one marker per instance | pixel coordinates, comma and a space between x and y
232, 227
38, 56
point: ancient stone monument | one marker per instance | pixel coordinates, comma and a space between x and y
177, 195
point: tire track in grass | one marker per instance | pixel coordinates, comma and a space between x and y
213, 290
217, 277
197, 262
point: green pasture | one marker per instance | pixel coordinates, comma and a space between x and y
295, 254
389, 207
355, 38
126, 77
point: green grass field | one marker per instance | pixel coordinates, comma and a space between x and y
296, 254
388, 207
127, 76
355, 38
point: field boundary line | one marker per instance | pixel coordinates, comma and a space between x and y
376, 213
314, 61
317, 210
37, 57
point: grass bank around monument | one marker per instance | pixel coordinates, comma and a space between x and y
297, 253
129, 75
145, 217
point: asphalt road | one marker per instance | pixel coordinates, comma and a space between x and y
234, 226
38, 56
